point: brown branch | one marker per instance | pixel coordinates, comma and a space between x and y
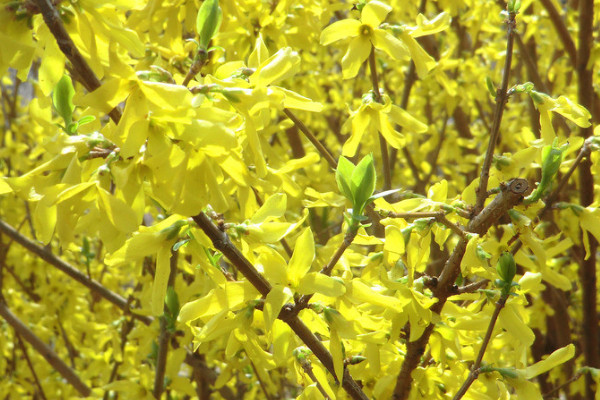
501, 99
71, 271
66, 45
587, 268
30, 365
327, 269
164, 337
561, 29
510, 195
312, 138
440, 216
44, 350
307, 367
472, 287
475, 370
196, 66
222, 243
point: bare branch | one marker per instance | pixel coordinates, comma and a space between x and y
44, 350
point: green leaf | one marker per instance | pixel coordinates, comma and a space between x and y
62, 98
343, 175
208, 21
506, 267
362, 183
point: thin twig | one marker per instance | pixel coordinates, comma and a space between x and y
222, 243
475, 370
501, 99
439, 216
260, 382
307, 367
196, 66
66, 45
73, 272
312, 138
164, 337
327, 269
561, 29
510, 195
44, 350
472, 287
30, 365
385, 160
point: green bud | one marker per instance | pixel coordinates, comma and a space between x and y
172, 231
62, 98
551, 159
506, 267
172, 302
208, 21
490, 86
356, 360
363, 183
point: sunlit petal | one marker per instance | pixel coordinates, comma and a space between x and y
387, 42
339, 30
357, 53
423, 61
374, 13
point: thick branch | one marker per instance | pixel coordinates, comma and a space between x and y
510, 195
587, 269
222, 243
44, 350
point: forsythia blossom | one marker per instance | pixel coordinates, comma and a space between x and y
375, 117
365, 34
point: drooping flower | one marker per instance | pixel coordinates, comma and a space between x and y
372, 117
365, 34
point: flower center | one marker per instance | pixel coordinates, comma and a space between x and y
365, 30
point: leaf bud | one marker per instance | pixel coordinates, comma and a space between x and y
506, 267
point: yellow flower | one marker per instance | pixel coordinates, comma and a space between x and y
373, 117
365, 34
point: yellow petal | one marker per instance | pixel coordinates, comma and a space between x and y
360, 123
558, 357
259, 54
119, 214
161, 279
302, 258
274, 301
423, 61
274, 207
430, 26
406, 120
392, 137
298, 102
337, 354
281, 65
315, 282
573, 111
387, 42
374, 13
357, 53
339, 30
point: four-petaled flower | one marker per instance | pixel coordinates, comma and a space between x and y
365, 34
